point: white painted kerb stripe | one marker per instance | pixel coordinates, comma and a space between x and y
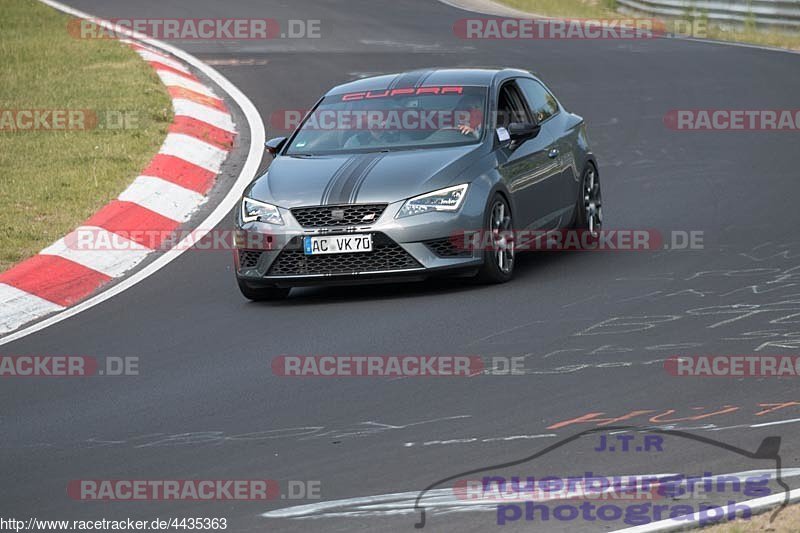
150, 56
203, 113
99, 249
164, 197
18, 307
144, 47
194, 151
170, 79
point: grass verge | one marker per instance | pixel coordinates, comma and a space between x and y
787, 521
54, 179
788, 39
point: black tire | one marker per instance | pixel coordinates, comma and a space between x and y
495, 269
262, 294
588, 209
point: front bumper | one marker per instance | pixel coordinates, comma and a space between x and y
415, 247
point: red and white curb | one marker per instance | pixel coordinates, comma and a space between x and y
164, 196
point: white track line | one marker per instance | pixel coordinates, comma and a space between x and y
693, 521
257, 137
164, 197
18, 307
446, 500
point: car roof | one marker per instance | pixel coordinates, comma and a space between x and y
481, 77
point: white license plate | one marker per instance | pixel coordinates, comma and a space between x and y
337, 244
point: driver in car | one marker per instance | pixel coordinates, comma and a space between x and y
473, 125
375, 134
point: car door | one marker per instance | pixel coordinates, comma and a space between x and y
561, 188
527, 166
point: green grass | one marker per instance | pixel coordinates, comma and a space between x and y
53, 180
747, 33
787, 521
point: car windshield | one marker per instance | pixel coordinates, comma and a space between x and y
385, 120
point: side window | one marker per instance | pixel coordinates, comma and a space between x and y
511, 106
542, 103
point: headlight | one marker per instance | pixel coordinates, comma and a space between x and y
448, 199
253, 210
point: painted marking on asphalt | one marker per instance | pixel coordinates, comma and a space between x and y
443, 500
113, 263
163, 197
776, 423
203, 113
18, 307
471, 440
194, 150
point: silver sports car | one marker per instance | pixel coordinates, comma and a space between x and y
413, 175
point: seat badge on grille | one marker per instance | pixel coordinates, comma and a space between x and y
337, 214
368, 218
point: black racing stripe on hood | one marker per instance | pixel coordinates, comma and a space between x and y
343, 169
423, 78
342, 188
411, 79
394, 81
361, 179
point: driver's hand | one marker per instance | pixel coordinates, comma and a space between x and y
466, 130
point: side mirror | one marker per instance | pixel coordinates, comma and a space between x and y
520, 131
274, 146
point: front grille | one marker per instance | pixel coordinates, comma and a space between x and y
448, 247
328, 216
249, 258
385, 255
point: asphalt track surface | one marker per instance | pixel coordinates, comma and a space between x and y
207, 406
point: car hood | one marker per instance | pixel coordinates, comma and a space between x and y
361, 178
